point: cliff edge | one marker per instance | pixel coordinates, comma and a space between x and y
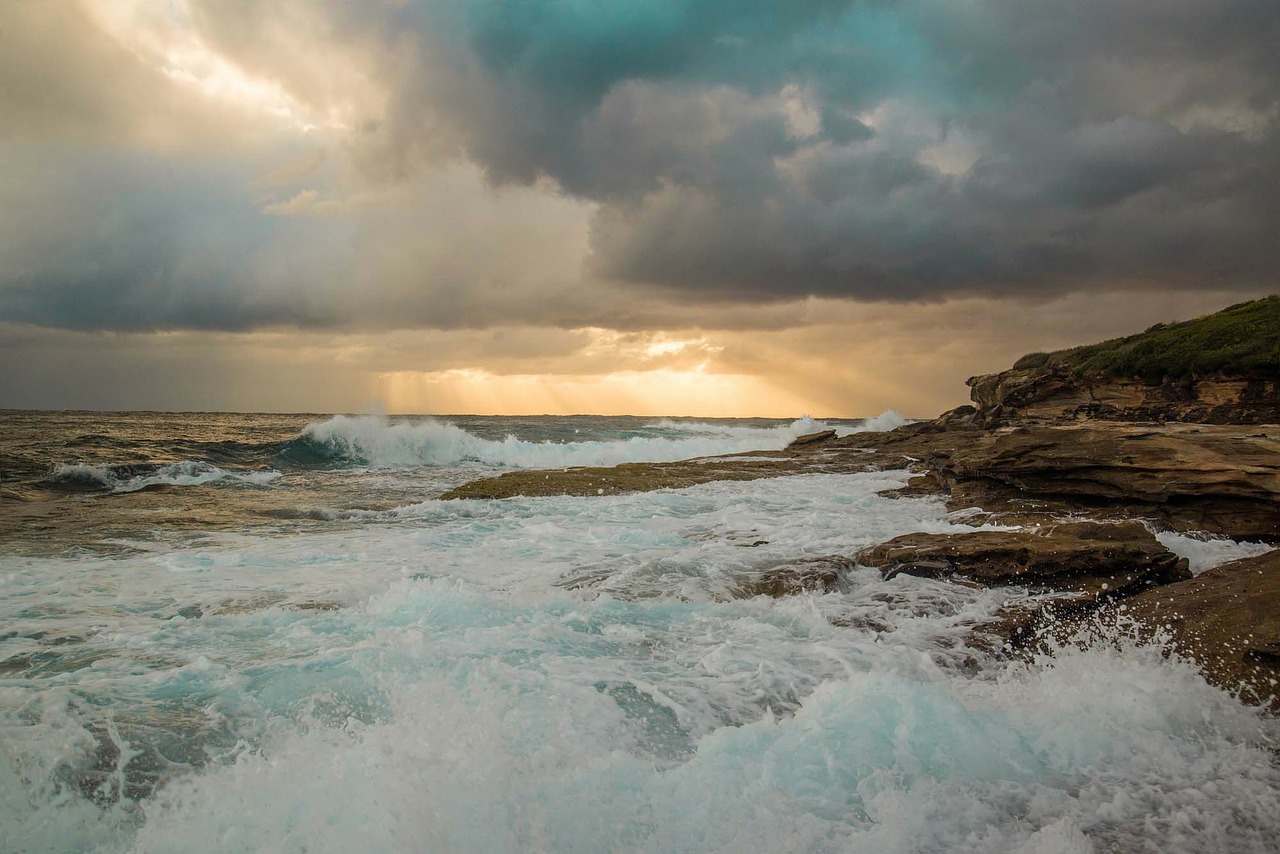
1220, 369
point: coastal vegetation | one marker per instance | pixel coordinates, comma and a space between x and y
1242, 340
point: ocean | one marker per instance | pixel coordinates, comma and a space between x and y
230, 632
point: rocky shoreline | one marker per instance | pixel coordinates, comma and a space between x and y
1082, 463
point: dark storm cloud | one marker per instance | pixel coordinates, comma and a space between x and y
1189, 210
105, 240
1099, 144
735, 151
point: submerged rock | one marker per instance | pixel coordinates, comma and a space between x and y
316, 605
816, 574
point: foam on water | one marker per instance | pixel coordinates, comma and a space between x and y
378, 442
185, 473
887, 420
575, 674
1203, 552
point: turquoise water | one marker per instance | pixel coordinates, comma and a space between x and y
564, 674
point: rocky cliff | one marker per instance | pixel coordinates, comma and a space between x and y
1059, 394
1222, 480
1220, 369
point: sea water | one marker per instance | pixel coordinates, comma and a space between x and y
266, 633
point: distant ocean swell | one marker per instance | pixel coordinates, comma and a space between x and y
380, 443
376, 442
134, 478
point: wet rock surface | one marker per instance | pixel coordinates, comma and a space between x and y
811, 457
1220, 479
817, 574
1227, 620
1101, 560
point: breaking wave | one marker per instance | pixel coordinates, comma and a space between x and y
1204, 552
882, 423
377, 442
887, 420
132, 478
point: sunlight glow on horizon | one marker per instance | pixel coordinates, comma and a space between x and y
651, 393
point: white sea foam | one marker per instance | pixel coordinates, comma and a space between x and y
882, 423
573, 674
185, 473
1203, 552
1104, 750
887, 420
378, 442
723, 429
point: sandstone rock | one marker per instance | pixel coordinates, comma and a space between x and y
1099, 560
1025, 394
812, 438
1220, 479
1226, 619
1057, 394
1223, 368
918, 486
807, 458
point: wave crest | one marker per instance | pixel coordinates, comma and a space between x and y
132, 478
377, 442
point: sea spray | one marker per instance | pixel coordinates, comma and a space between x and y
379, 442
1115, 749
1205, 552
579, 674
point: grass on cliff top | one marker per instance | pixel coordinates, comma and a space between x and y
1242, 340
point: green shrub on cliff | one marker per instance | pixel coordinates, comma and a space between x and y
1032, 361
1242, 340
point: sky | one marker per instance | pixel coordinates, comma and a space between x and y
680, 207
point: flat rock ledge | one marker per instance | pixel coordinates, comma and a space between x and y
811, 456
1096, 559
1222, 480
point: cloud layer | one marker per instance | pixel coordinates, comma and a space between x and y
606, 204
436, 163
890, 150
